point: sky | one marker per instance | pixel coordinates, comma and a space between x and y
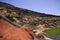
42, 6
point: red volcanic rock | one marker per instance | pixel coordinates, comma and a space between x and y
10, 32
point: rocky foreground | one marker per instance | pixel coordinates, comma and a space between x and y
10, 32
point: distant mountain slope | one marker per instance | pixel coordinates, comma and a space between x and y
22, 16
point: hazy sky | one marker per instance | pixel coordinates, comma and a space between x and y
44, 6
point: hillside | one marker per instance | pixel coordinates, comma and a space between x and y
20, 16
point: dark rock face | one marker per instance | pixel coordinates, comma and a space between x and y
23, 16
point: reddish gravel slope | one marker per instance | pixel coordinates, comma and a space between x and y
10, 32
